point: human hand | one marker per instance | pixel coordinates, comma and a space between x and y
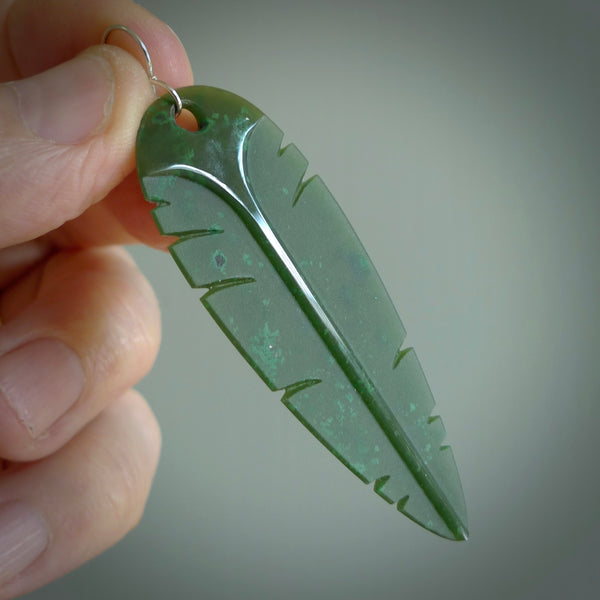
79, 323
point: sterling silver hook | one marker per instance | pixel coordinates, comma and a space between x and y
153, 78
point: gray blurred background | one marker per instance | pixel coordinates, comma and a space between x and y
462, 140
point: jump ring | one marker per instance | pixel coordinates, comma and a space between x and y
151, 76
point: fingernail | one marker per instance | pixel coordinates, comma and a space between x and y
23, 537
68, 103
40, 381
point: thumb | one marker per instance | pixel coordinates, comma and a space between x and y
67, 137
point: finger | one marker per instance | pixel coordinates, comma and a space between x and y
77, 331
60, 512
68, 139
41, 34
58, 184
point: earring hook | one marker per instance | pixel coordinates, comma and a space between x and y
153, 78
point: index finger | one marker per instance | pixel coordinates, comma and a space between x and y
40, 34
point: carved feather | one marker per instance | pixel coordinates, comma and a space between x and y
292, 287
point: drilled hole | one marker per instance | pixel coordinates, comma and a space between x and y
188, 121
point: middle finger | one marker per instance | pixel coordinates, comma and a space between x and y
83, 327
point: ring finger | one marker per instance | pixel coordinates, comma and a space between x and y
61, 511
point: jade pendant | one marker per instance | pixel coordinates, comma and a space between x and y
290, 284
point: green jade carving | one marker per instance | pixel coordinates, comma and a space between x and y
292, 287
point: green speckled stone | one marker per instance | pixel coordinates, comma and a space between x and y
290, 284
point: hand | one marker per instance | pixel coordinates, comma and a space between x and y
79, 323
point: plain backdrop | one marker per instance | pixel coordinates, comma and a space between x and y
462, 140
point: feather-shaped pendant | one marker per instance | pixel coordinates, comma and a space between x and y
292, 287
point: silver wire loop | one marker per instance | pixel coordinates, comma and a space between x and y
153, 78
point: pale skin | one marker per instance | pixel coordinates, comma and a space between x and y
80, 325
